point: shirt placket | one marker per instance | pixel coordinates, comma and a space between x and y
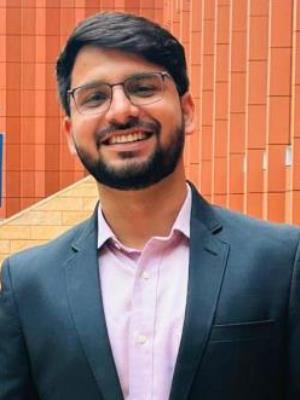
142, 327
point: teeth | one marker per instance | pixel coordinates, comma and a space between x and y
132, 137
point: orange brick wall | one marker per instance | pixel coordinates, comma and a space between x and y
244, 64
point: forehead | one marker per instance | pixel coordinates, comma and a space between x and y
110, 66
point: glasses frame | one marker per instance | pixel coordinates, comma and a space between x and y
162, 74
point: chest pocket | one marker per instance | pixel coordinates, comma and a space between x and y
252, 330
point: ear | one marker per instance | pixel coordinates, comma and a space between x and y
188, 112
67, 128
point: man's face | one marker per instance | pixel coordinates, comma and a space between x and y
127, 146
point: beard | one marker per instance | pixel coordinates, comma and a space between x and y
138, 175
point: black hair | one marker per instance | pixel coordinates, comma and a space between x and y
125, 32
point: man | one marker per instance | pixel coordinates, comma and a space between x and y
158, 295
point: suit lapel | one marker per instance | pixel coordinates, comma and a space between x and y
206, 270
86, 305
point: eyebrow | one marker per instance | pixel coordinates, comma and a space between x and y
99, 82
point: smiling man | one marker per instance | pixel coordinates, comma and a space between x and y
159, 295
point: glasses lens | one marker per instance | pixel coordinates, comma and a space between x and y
144, 89
92, 99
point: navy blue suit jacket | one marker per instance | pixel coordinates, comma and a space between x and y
241, 335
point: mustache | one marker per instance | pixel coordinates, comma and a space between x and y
136, 123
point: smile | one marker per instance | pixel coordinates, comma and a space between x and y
129, 138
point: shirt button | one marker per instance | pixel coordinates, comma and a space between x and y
142, 339
145, 276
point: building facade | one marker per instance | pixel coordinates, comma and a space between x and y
244, 64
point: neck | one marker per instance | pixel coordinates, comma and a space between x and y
137, 215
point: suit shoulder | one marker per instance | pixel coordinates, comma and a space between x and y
245, 227
53, 250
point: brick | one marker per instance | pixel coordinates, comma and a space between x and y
255, 171
13, 205
237, 133
209, 37
34, 217
206, 175
236, 202
195, 80
83, 190
196, 48
17, 245
4, 246
207, 108
259, 7
222, 63
28, 76
296, 208
220, 200
67, 18
236, 174
221, 106
46, 232
220, 175
220, 138
281, 24
256, 126
62, 204
207, 142
276, 207
257, 82
196, 15
239, 16
223, 25
238, 93
52, 48
296, 162
28, 20
238, 51
258, 38
2, 22
14, 232
194, 174
13, 76
13, 48
297, 55
296, 112
28, 49
280, 72
13, 21
276, 169
13, 153
279, 120
27, 103
71, 218
194, 148
208, 72
40, 49
254, 206
209, 9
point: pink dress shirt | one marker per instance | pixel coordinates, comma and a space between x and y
144, 297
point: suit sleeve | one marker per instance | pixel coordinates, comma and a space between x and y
15, 377
293, 334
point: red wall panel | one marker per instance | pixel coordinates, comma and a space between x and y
244, 62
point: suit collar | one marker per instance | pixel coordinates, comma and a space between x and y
208, 258
85, 299
203, 212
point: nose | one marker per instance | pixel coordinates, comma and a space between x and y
121, 108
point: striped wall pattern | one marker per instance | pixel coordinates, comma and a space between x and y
244, 63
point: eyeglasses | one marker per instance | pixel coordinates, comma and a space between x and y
140, 89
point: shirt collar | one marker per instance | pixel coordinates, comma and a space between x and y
181, 224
